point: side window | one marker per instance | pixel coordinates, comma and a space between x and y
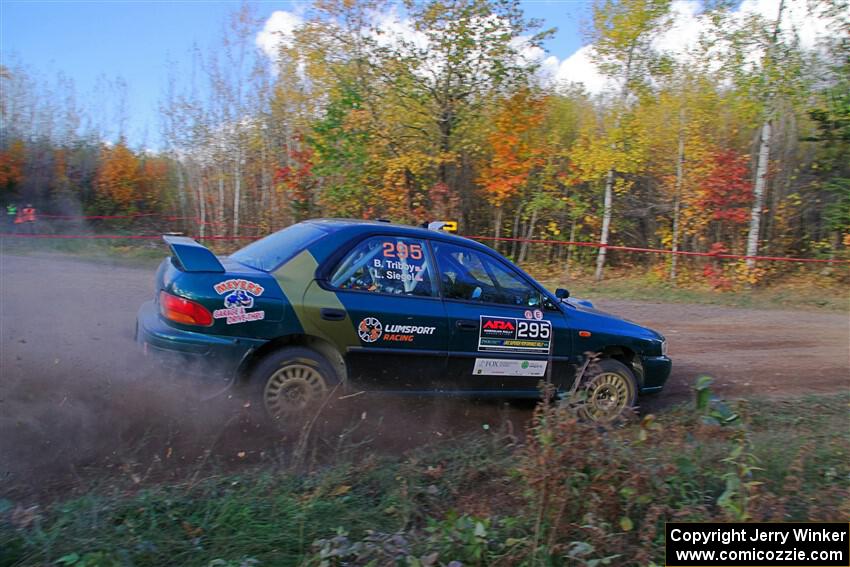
387, 264
470, 275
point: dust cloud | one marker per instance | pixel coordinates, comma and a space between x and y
82, 406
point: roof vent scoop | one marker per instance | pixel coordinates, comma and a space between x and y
437, 225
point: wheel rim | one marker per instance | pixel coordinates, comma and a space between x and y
292, 388
607, 396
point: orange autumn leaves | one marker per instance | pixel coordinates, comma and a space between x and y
518, 149
128, 181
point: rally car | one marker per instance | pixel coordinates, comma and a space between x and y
335, 303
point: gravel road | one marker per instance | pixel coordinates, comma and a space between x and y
77, 397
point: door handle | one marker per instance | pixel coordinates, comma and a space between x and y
332, 314
466, 325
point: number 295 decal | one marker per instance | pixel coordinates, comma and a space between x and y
402, 251
533, 329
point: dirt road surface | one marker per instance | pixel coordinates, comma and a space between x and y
78, 398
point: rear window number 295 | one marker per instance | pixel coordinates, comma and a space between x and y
533, 330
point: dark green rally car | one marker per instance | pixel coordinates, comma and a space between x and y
376, 306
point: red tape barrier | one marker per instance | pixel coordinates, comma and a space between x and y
118, 236
89, 217
661, 251
500, 239
171, 218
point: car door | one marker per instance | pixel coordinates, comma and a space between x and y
506, 335
387, 287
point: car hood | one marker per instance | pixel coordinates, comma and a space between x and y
585, 315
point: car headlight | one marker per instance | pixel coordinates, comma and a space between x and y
664, 347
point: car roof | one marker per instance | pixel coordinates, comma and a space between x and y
352, 228
355, 227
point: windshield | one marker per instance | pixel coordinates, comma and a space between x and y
272, 251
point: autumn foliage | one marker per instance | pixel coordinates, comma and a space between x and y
726, 193
454, 122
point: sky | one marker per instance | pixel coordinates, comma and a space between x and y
136, 40
89, 41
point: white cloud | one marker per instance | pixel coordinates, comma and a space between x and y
679, 39
579, 68
795, 18
277, 32
393, 29
684, 33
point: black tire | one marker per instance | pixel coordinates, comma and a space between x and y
292, 381
610, 392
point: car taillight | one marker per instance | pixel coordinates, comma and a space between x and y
184, 311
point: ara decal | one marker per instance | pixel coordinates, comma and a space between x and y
508, 334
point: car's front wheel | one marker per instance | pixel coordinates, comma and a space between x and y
292, 381
610, 392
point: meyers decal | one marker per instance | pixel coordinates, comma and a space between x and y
240, 296
501, 367
371, 330
507, 334
234, 285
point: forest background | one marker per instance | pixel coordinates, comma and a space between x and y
737, 143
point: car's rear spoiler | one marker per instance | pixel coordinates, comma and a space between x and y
192, 256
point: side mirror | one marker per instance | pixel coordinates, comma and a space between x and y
476, 293
562, 293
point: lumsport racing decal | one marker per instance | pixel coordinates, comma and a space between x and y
238, 299
371, 330
501, 367
509, 334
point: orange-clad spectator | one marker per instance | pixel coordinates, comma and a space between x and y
28, 217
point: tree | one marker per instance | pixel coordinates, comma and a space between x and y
11, 165
514, 141
622, 36
117, 178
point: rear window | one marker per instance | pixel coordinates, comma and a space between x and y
274, 250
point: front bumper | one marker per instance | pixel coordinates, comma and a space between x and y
201, 351
656, 370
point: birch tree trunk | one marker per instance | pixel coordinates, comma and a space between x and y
758, 194
516, 231
237, 194
570, 248
524, 250
497, 231
220, 218
202, 205
764, 156
181, 193
606, 223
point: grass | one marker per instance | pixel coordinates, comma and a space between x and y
482, 499
146, 254
803, 292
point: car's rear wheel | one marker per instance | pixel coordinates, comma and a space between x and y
610, 392
292, 381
